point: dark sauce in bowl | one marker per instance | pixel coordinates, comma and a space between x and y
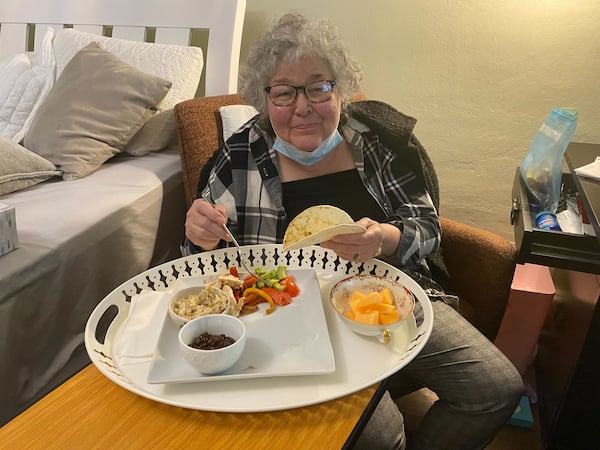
207, 341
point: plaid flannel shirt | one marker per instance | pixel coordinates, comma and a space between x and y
393, 176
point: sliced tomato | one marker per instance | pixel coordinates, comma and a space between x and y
290, 286
234, 271
280, 298
250, 281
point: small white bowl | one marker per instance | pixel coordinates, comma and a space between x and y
340, 293
210, 362
180, 320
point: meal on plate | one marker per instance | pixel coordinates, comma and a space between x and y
275, 287
318, 224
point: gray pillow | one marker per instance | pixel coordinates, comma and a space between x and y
156, 134
20, 168
94, 108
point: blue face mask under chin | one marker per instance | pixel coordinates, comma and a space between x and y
308, 158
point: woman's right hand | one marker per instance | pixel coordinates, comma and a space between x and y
204, 224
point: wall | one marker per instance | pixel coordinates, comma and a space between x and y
480, 77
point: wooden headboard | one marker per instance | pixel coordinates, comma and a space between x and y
171, 22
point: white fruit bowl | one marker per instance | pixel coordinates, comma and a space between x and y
339, 295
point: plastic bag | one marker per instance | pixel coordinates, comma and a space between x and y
542, 166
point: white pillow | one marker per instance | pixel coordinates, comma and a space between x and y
177, 63
25, 80
234, 116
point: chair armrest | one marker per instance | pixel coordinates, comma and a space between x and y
481, 266
200, 133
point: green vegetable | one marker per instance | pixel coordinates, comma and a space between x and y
281, 273
271, 278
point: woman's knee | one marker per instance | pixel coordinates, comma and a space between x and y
500, 387
488, 384
511, 386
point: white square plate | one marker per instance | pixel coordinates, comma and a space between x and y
293, 340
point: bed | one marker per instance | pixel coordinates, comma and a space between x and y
81, 234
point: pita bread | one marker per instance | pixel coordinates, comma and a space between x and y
318, 224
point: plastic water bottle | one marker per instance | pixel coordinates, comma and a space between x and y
542, 166
546, 220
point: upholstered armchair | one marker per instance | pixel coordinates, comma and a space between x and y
480, 263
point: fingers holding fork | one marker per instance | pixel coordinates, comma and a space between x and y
204, 224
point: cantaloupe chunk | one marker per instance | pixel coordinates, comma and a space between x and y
388, 317
364, 303
370, 318
388, 297
383, 307
355, 298
355, 295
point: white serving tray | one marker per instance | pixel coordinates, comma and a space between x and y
360, 361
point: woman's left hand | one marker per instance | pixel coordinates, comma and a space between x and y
361, 247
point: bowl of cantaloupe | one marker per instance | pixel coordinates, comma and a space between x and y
372, 305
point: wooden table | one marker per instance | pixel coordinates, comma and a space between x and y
90, 411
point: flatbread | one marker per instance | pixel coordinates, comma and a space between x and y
318, 224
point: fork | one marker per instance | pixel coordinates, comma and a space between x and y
241, 255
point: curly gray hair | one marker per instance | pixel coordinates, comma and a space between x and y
293, 37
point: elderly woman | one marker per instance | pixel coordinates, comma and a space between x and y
311, 145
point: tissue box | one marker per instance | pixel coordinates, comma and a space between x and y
8, 229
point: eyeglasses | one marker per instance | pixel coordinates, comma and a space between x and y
316, 92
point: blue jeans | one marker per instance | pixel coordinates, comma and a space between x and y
477, 386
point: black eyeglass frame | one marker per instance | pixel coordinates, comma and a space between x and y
332, 84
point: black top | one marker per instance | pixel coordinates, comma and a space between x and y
342, 189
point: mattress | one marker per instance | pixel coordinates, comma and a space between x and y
78, 240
